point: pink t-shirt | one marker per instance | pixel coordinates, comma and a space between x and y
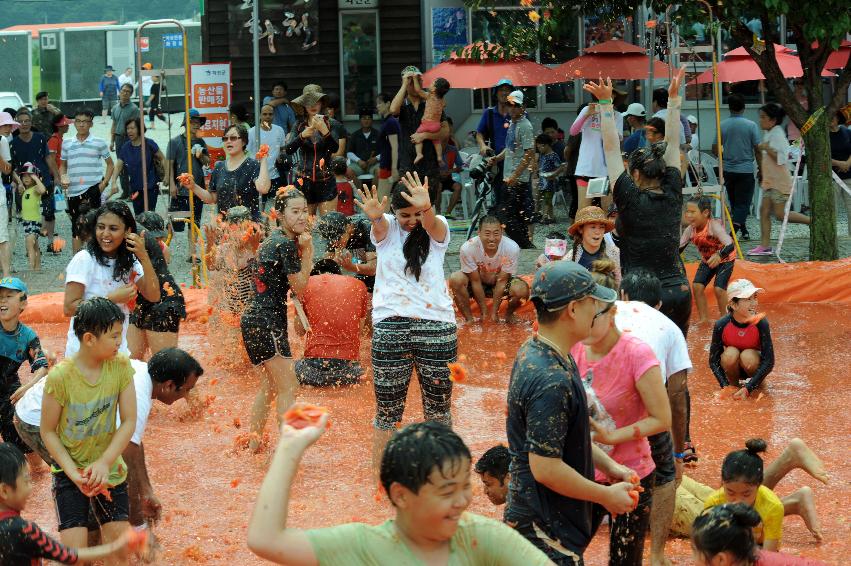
613, 380
767, 558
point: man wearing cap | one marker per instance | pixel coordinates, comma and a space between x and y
492, 128
108, 88
176, 159
43, 114
553, 499
516, 209
635, 116
363, 147
7, 125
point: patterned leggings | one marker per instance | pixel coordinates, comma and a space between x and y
398, 346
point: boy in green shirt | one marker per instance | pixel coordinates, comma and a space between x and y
81, 396
425, 471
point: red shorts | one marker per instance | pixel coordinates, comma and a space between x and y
429, 127
384, 173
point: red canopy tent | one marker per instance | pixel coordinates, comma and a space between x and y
739, 66
839, 58
482, 65
614, 59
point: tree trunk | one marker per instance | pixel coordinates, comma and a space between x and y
823, 241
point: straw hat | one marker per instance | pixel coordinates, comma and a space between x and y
591, 215
310, 95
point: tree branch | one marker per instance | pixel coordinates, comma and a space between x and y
842, 83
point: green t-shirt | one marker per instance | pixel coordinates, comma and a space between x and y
87, 422
479, 541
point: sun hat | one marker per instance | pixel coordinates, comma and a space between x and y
635, 109
7, 120
13, 283
742, 289
588, 215
108, 68
692, 119
516, 97
28, 169
310, 95
195, 115
153, 223
559, 282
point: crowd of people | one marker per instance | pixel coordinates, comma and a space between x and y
598, 408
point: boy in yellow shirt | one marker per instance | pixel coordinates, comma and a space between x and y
31, 190
81, 397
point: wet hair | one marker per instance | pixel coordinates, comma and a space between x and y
544, 139
238, 109
87, 112
417, 450
774, 112
332, 101
124, 258
657, 123
339, 165
96, 316
726, 528
280, 84
136, 122
23, 112
556, 236
545, 316
332, 226
649, 160
549, 123
489, 219
736, 102
86, 223
241, 131
603, 272
283, 200
127, 85
41, 94
703, 203
175, 365
660, 97
494, 462
745, 465
642, 285
326, 265
416, 247
440, 87
12, 461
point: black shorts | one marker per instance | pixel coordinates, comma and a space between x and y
722, 273
48, 206
317, 192
264, 341
489, 288
328, 372
159, 317
82, 203
73, 507
7, 417
676, 302
662, 450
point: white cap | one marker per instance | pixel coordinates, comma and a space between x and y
742, 289
635, 109
692, 119
516, 97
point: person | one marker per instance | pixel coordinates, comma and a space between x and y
125, 78
413, 319
592, 240
147, 80
388, 146
492, 468
450, 172
635, 116
492, 129
33, 147
238, 114
81, 172
349, 244
317, 144
549, 161
22, 541
237, 180
154, 101
741, 342
739, 141
550, 127
362, 150
552, 493
840, 160
284, 116
122, 114
345, 187
90, 473
108, 88
649, 201
519, 152
7, 125
489, 269
724, 535
18, 343
43, 114
654, 130
409, 107
425, 473
107, 268
695, 140
177, 164
31, 190
593, 160
776, 179
331, 107
272, 136
60, 128
155, 325
627, 403
432, 116
130, 158
555, 248
283, 261
717, 252
660, 110
336, 308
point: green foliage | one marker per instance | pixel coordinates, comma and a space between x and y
16, 12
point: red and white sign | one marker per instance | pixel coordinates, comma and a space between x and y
210, 95
144, 44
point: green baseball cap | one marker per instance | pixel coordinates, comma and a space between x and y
559, 282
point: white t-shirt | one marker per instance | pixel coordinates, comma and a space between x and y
28, 408
694, 152
592, 159
274, 138
98, 282
657, 331
123, 79
397, 292
473, 258
775, 172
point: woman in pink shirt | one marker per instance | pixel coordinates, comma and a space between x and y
627, 403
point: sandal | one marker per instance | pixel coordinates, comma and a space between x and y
689, 454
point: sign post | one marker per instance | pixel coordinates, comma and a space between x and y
211, 95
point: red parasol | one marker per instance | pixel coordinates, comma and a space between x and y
614, 59
481, 66
738, 66
839, 58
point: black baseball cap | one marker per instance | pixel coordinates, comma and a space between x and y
559, 282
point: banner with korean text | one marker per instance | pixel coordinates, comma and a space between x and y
210, 95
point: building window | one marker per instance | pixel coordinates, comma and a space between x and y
359, 61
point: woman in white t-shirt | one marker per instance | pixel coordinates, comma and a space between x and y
107, 268
414, 321
592, 160
776, 180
